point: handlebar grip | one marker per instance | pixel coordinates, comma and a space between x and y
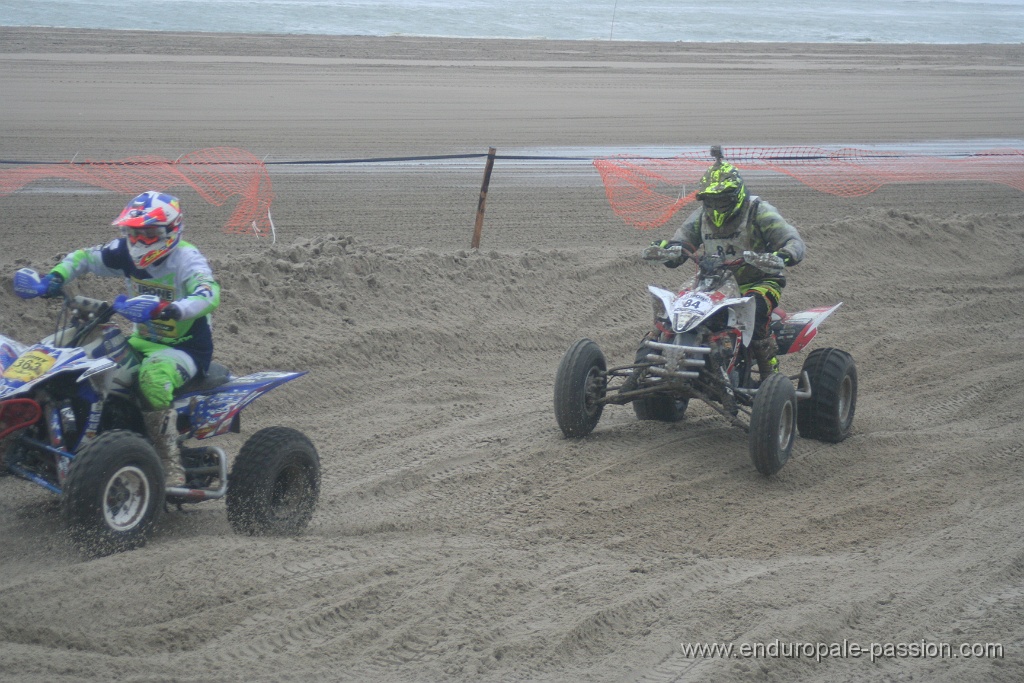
766, 262
655, 253
138, 309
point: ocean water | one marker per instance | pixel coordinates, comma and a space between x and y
815, 21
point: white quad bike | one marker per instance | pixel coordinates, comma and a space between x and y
700, 349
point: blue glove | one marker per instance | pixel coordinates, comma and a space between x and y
54, 283
167, 312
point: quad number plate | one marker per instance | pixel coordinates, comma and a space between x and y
29, 366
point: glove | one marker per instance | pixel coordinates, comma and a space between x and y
166, 311
54, 283
654, 252
786, 257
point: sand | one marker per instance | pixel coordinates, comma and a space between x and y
459, 536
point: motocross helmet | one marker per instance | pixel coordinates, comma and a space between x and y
722, 191
152, 224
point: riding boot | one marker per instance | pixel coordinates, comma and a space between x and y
163, 432
764, 351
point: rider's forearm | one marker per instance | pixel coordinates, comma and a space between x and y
203, 300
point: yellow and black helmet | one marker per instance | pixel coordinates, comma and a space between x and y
722, 191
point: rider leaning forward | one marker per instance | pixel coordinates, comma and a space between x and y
731, 222
177, 344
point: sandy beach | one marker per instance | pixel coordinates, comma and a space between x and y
459, 536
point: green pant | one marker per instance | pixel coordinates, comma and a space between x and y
164, 369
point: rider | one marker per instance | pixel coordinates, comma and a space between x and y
731, 222
177, 344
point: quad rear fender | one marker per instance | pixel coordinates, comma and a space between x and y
795, 332
215, 409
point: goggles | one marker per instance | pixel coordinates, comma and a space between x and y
146, 236
719, 202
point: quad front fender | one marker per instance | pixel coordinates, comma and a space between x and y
687, 310
214, 410
40, 363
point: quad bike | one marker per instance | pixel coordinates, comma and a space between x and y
700, 349
71, 421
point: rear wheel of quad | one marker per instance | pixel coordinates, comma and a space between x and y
828, 414
579, 384
113, 494
773, 424
660, 407
274, 483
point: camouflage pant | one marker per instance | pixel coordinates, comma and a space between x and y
767, 295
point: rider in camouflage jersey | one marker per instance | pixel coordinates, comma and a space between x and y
731, 222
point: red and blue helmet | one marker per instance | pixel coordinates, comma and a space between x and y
152, 224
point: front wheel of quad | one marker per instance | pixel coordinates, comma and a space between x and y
773, 424
274, 484
113, 494
828, 414
579, 384
660, 407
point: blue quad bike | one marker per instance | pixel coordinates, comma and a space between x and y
71, 421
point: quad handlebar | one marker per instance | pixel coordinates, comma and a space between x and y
768, 263
89, 312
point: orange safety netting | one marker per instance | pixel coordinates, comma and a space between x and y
647, 192
217, 174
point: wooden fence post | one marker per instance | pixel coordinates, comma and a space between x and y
483, 199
